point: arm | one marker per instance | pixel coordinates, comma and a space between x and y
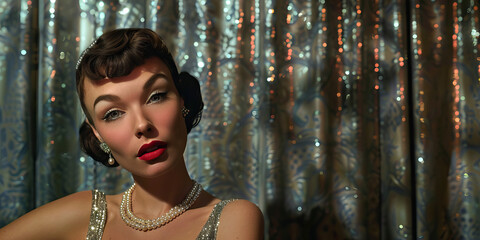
60, 219
241, 219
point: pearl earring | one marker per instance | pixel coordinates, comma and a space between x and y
105, 148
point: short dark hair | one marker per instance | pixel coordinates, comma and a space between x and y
116, 53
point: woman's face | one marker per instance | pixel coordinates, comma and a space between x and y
139, 117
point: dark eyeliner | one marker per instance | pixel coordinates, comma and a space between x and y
107, 115
160, 94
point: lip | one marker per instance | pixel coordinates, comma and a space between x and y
151, 150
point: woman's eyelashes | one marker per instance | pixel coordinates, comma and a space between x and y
156, 96
112, 114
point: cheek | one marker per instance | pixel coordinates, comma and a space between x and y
118, 134
170, 122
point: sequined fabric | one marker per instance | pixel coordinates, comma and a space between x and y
98, 216
99, 212
341, 119
209, 230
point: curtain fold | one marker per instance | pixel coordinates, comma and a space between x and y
18, 92
340, 119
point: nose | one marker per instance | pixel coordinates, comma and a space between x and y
143, 125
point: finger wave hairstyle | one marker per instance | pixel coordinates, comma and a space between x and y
116, 53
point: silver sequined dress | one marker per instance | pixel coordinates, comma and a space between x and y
98, 217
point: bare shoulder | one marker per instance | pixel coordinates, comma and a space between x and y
241, 219
61, 218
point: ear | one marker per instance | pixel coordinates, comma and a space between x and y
94, 130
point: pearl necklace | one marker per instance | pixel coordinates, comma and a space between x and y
150, 224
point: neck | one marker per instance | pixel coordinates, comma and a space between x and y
153, 197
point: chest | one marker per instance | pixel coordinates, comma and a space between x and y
186, 226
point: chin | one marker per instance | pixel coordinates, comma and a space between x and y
158, 168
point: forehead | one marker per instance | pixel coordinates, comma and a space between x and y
138, 76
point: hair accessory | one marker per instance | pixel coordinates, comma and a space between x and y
150, 224
185, 111
105, 148
83, 53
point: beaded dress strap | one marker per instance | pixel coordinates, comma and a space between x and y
209, 230
98, 216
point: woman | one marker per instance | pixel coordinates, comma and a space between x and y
138, 110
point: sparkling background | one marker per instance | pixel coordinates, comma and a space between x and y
340, 119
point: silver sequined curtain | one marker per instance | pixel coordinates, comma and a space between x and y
340, 119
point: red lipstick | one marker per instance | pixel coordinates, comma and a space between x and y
151, 150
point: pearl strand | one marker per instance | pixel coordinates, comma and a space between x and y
150, 224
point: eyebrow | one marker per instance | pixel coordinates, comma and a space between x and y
108, 97
147, 86
153, 79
